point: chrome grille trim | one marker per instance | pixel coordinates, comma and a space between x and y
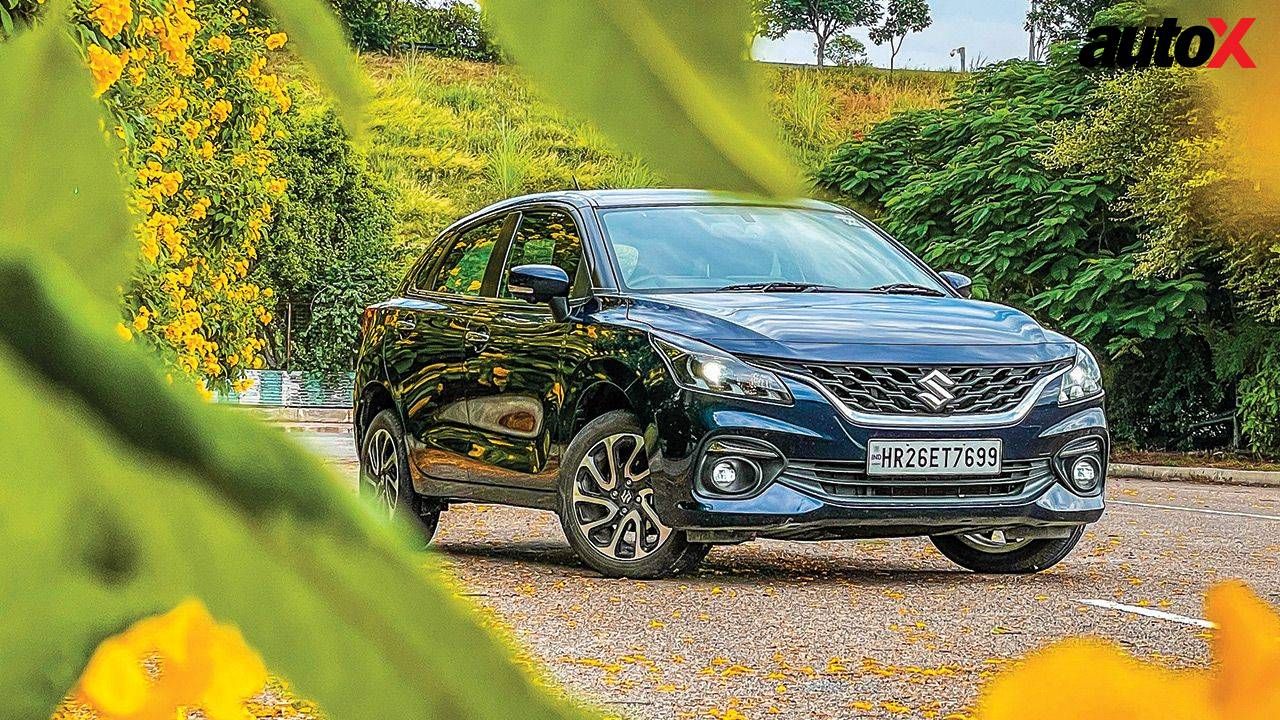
1048, 372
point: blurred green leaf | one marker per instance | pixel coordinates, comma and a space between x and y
64, 194
667, 79
121, 497
319, 40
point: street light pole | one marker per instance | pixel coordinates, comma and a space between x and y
1031, 28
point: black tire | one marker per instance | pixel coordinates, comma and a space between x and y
1032, 557
389, 485
654, 554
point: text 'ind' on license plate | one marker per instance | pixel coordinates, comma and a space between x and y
933, 457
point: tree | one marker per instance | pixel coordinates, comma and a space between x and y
824, 18
901, 17
1051, 21
846, 50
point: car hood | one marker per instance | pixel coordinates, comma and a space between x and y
854, 327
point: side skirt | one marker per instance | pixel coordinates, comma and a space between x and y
455, 491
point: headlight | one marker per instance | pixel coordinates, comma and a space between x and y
698, 366
1083, 381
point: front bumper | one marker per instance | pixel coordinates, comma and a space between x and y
816, 440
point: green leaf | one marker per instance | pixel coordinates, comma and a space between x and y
123, 496
320, 41
667, 79
63, 194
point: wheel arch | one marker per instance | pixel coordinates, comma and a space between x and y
374, 398
606, 385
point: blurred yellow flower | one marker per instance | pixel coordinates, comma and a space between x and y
124, 332
201, 665
275, 41
1244, 683
106, 68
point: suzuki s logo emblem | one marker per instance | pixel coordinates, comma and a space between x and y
936, 389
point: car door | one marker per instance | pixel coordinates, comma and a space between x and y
515, 365
426, 351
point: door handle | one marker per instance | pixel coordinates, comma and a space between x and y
407, 324
477, 339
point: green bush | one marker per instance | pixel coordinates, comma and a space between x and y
455, 29
969, 187
331, 246
1154, 133
369, 22
972, 187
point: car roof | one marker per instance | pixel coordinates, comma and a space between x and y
647, 197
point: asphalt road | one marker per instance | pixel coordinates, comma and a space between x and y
853, 629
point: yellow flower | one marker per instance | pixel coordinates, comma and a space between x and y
106, 68
228, 712
142, 320
191, 129
220, 111
220, 43
150, 249
111, 15
275, 41
200, 209
1244, 683
277, 186
123, 332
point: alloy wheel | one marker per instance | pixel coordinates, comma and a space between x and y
612, 500
993, 541
382, 469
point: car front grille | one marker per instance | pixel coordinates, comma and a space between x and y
848, 480
929, 390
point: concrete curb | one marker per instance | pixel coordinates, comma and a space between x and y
1211, 476
295, 415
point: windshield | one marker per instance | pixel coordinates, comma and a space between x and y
713, 247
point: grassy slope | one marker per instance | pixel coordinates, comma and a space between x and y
453, 136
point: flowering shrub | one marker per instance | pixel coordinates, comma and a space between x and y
198, 113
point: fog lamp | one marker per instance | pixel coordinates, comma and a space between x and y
724, 476
1085, 473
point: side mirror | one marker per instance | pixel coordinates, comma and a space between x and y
537, 284
960, 283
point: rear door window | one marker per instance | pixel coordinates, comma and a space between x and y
462, 269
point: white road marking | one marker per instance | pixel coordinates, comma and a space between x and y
1148, 612
1205, 511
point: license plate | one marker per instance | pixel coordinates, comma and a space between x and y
933, 457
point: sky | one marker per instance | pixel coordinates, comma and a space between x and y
990, 28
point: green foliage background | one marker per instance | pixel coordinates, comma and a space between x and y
1089, 200
332, 248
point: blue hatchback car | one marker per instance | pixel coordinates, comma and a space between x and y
670, 370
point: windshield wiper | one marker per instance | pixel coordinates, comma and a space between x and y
908, 289
779, 286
